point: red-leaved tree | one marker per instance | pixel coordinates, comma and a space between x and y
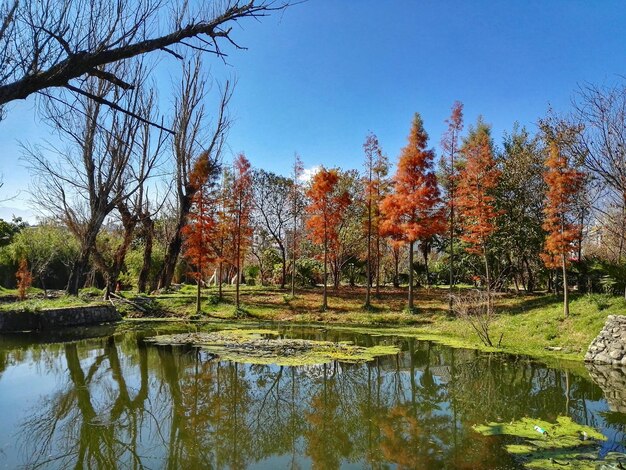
326, 208
474, 197
24, 279
564, 183
201, 225
413, 211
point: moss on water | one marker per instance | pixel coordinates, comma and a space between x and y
256, 346
565, 443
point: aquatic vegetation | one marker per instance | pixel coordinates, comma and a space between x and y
541, 444
261, 347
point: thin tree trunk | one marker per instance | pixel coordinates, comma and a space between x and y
565, 293
425, 253
377, 266
148, 231
488, 282
396, 267
368, 272
198, 296
451, 239
293, 259
411, 277
283, 278
325, 297
219, 280
293, 256
237, 261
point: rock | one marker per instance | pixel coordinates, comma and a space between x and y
610, 345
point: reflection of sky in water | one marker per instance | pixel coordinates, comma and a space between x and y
109, 399
614, 431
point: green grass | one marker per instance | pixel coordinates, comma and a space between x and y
35, 305
35, 300
529, 324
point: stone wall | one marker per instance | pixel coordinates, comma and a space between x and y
58, 317
609, 347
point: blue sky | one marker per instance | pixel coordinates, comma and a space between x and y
320, 75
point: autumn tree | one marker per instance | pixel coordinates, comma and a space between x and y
375, 187
193, 137
240, 208
563, 183
413, 212
201, 224
325, 210
24, 279
450, 147
475, 200
346, 250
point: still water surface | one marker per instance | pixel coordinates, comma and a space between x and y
112, 401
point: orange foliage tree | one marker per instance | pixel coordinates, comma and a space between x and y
200, 228
413, 212
475, 201
24, 279
563, 185
326, 209
240, 208
450, 146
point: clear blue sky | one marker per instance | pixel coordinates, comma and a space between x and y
317, 77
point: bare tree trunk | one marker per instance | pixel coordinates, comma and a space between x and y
565, 287
487, 282
148, 232
411, 277
325, 294
77, 275
396, 268
377, 266
283, 277
219, 280
368, 271
293, 258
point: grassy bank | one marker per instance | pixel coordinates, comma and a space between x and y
528, 324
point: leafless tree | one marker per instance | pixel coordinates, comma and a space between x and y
48, 44
101, 166
600, 112
135, 209
474, 307
272, 210
193, 137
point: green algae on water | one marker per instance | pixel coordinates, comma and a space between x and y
260, 347
565, 443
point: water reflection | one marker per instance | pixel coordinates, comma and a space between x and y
117, 403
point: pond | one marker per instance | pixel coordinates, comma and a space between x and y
103, 397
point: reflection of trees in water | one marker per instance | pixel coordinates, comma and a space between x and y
125, 405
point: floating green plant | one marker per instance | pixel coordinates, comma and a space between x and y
261, 347
543, 445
